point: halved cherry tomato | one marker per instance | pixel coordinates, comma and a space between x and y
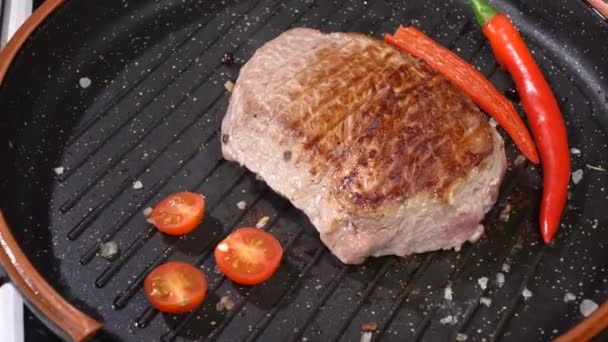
248, 256
178, 214
176, 287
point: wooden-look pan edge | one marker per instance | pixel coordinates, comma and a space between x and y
70, 322
601, 6
23, 33
74, 323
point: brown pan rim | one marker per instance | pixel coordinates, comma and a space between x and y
64, 317
77, 325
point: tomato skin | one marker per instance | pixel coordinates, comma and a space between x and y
176, 287
248, 256
179, 213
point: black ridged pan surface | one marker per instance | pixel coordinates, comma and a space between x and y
119, 92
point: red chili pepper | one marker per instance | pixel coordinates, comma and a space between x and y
543, 113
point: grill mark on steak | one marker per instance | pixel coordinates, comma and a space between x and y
352, 96
331, 49
374, 96
335, 112
282, 102
338, 64
329, 132
399, 165
336, 82
301, 62
367, 79
318, 56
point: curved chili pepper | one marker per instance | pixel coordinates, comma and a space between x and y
543, 113
470, 81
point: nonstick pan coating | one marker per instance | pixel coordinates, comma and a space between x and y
105, 94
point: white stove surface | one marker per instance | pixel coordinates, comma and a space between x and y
11, 314
14, 13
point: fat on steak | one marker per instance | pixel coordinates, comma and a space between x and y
383, 154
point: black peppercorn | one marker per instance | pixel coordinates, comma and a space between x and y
227, 58
512, 95
287, 155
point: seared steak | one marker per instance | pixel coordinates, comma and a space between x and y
383, 154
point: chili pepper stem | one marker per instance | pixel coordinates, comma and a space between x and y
483, 11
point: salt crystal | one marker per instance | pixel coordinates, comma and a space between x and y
483, 282
225, 303
147, 211
447, 320
447, 293
108, 250
216, 270
577, 176
505, 213
569, 297
519, 160
241, 205
575, 150
366, 337
229, 85
137, 185
485, 301
500, 278
460, 337
262, 222
59, 170
587, 307
85, 82
526, 293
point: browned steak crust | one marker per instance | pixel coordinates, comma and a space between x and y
384, 155
385, 130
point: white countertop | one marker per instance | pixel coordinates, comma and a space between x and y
11, 305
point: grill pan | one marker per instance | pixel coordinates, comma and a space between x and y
116, 92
